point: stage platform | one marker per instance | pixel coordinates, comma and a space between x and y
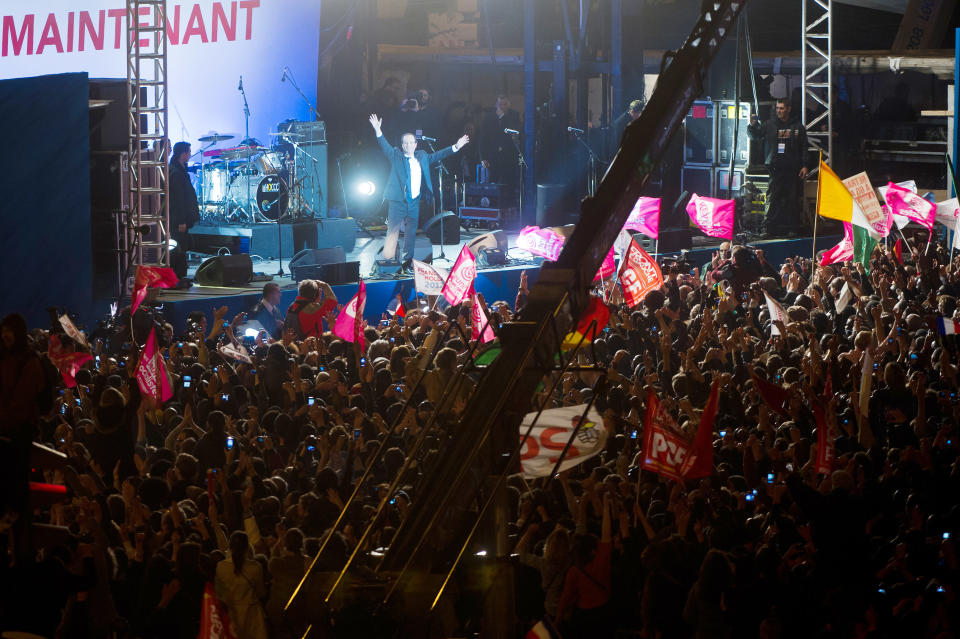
495, 283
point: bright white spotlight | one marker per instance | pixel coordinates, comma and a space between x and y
251, 332
365, 188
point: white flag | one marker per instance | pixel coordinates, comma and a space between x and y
947, 212
845, 297
238, 352
427, 278
776, 313
72, 331
549, 437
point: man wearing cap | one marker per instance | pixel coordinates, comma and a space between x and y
184, 209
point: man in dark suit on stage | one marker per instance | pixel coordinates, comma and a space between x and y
497, 150
409, 179
184, 208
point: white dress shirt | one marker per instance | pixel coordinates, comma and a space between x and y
415, 176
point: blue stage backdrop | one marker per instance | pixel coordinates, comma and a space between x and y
45, 179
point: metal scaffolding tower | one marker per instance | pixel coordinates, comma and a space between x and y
148, 228
817, 83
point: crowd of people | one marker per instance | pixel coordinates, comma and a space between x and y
238, 478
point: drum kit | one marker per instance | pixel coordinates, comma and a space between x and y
250, 183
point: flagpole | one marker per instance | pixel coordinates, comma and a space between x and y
816, 217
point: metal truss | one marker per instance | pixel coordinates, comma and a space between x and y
817, 82
149, 228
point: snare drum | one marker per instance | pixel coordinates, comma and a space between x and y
271, 162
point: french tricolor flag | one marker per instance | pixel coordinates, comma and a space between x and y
948, 326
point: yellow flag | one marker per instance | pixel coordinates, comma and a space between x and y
833, 198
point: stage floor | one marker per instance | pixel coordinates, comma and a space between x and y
496, 283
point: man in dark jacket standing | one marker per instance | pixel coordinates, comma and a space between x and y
409, 179
786, 147
184, 209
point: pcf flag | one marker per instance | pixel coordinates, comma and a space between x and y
549, 437
664, 452
427, 278
147, 276
639, 276
905, 202
347, 322
151, 373
712, 216
645, 217
458, 285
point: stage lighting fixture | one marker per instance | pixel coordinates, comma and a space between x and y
366, 188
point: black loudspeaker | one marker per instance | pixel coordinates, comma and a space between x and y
451, 228
492, 257
699, 131
307, 257
557, 205
313, 263
225, 270
492, 240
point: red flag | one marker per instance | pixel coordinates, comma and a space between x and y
607, 268
151, 373
457, 287
67, 363
640, 275
826, 454
843, 251
828, 387
664, 452
774, 396
699, 462
596, 310
898, 251
214, 621
150, 276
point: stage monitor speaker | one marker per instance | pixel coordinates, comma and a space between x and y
557, 205
310, 256
339, 273
492, 257
225, 270
492, 240
451, 228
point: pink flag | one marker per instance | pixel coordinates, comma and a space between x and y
67, 363
460, 281
542, 242
712, 216
151, 373
639, 276
645, 217
479, 319
607, 268
147, 276
349, 322
843, 251
910, 205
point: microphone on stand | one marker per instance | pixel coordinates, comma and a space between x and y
511, 131
240, 86
573, 129
427, 138
283, 78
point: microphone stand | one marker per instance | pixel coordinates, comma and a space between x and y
440, 173
593, 160
314, 115
521, 165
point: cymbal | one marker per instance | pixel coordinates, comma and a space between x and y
213, 136
242, 152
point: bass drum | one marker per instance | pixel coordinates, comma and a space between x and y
268, 195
